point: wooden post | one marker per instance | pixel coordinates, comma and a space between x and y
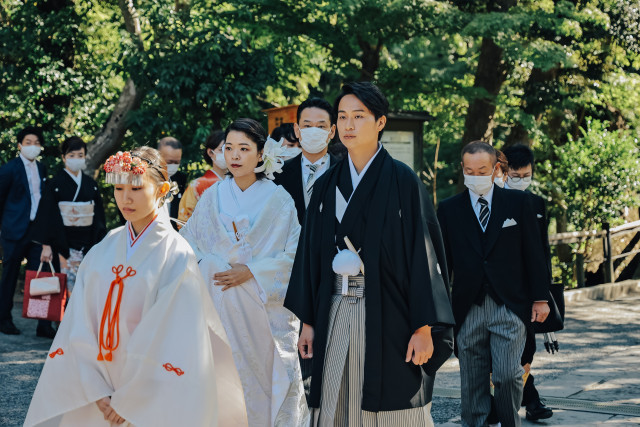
580, 269
609, 272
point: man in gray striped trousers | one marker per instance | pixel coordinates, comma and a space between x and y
497, 263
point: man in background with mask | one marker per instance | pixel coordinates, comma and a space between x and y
500, 285
21, 182
171, 151
520, 173
314, 129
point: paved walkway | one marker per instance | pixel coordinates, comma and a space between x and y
595, 378
597, 369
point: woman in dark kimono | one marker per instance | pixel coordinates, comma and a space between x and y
70, 218
369, 281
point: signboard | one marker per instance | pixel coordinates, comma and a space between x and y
400, 144
279, 115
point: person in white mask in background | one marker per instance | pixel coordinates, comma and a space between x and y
315, 128
500, 285
521, 162
70, 218
171, 151
21, 183
214, 157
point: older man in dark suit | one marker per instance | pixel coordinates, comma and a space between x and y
21, 181
499, 285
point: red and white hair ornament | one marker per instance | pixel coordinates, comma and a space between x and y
122, 168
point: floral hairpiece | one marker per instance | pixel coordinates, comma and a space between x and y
123, 168
273, 156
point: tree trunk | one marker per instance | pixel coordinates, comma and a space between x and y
490, 75
533, 88
110, 137
370, 59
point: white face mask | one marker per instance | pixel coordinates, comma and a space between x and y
499, 181
314, 140
172, 169
478, 184
30, 151
75, 165
521, 183
220, 161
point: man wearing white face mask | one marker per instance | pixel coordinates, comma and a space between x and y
171, 151
520, 174
314, 129
70, 217
21, 181
498, 289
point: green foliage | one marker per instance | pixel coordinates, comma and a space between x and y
47, 75
202, 63
595, 176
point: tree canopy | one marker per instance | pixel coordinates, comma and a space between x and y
556, 75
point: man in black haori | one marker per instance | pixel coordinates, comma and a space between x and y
369, 281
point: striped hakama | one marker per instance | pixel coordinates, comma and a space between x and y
343, 373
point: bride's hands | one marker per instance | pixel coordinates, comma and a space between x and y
237, 275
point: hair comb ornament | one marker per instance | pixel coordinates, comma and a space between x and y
123, 168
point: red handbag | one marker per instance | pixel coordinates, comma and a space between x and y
44, 307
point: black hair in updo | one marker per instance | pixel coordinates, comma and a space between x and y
254, 131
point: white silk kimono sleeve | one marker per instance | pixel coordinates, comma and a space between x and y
273, 270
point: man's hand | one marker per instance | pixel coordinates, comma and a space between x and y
305, 342
47, 254
238, 274
540, 311
110, 415
420, 346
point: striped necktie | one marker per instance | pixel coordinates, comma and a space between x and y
311, 179
484, 212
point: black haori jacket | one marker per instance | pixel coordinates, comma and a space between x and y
392, 220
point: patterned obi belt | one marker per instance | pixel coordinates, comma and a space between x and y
355, 289
76, 214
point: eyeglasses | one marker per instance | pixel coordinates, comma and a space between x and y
526, 179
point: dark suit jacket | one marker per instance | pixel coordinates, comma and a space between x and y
15, 199
540, 209
291, 180
180, 178
512, 259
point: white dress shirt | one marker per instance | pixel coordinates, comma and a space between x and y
322, 163
475, 204
33, 174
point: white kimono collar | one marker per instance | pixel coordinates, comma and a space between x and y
133, 241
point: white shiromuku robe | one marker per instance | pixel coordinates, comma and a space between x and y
172, 364
263, 334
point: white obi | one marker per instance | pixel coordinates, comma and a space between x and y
76, 214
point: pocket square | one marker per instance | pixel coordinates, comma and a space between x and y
510, 222
539, 215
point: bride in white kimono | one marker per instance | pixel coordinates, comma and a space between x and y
244, 232
141, 343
